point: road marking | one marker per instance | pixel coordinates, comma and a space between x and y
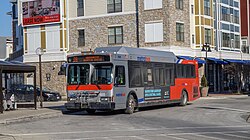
208, 137
202, 133
238, 136
137, 137
177, 138
129, 130
140, 138
225, 108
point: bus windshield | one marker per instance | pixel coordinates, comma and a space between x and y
102, 74
78, 74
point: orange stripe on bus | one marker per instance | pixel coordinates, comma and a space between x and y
90, 87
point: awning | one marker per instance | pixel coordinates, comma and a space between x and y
217, 61
185, 57
247, 61
235, 61
200, 61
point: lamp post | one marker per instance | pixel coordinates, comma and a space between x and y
1, 93
206, 48
40, 52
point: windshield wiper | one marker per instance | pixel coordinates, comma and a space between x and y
96, 83
78, 85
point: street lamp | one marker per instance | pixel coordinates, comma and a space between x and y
206, 47
40, 52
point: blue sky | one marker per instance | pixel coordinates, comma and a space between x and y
5, 20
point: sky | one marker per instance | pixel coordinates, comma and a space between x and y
5, 20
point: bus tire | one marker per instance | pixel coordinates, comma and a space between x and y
184, 98
91, 111
130, 108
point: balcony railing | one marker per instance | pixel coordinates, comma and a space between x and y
16, 54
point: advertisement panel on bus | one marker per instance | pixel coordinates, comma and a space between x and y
41, 12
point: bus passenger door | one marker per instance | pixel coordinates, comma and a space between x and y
120, 90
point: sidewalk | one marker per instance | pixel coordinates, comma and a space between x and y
225, 96
50, 109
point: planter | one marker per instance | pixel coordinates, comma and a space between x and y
204, 91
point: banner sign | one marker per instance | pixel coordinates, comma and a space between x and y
41, 12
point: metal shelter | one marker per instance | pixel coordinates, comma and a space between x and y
15, 67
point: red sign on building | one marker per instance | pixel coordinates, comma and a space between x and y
41, 12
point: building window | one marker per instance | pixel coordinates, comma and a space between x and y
115, 35
80, 8
231, 3
225, 26
154, 32
225, 1
179, 32
236, 4
237, 41
226, 39
207, 7
237, 29
114, 6
244, 43
152, 4
208, 36
244, 47
179, 4
81, 38
236, 16
225, 14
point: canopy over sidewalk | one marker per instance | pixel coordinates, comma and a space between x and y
15, 67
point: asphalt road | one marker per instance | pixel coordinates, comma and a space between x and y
205, 119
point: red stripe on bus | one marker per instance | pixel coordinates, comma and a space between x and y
90, 87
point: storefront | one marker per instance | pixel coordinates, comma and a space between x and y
225, 75
228, 76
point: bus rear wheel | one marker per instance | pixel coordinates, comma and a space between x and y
91, 111
184, 98
130, 105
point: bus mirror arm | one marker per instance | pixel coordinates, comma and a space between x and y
116, 81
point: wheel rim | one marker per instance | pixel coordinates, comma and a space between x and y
131, 104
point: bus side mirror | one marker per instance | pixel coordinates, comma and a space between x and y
62, 69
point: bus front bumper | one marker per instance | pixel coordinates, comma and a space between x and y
92, 105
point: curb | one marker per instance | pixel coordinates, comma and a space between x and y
31, 118
225, 97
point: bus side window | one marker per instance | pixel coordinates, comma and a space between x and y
120, 75
193, 71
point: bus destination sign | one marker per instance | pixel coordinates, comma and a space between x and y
89, 58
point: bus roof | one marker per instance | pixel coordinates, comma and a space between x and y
139, 54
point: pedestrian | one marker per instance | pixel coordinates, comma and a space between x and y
4, 100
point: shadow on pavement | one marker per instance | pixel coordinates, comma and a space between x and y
115, 112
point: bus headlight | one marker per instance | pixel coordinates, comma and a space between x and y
105, 99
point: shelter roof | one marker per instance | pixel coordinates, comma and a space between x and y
16, 67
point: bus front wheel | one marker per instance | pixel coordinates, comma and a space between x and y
130, 105
184, 98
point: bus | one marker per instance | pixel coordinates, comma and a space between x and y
125, 78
